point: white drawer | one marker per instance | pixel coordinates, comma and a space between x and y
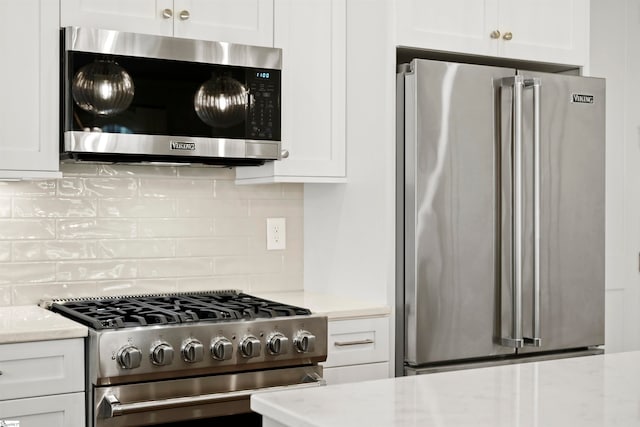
61, 410
41, 368
352, 342
355, 373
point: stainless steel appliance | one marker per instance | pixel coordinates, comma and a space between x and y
142, 98
160, 359
500, 216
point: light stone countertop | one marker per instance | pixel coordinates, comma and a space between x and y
333, 306
32, 323
591, 391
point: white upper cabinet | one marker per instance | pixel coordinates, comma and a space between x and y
235, 21
554, 31
312, 35
29, 118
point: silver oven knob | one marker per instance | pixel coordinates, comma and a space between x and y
250, 346
192, 351
129, 357
221, 349
304, 341
277, 343
162, 354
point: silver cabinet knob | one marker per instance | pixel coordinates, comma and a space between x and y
250, 346
162, 354
507, 36
192, 351
304, 341
129, 357
284, 154
277, 343
495, 34
221, 349
167, 13
184, 15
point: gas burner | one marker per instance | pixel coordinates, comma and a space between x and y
135, 311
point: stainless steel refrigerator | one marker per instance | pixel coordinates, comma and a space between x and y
500, 216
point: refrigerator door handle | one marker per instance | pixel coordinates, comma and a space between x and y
535, 340
515, 340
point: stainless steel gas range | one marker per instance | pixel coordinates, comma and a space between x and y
177, 358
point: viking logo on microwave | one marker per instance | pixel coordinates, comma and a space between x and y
184, 146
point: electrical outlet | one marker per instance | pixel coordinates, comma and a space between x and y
276, 234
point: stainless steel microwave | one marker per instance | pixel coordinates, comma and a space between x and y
141, 98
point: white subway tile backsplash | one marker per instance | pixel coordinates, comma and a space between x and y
98, 187
5, 295
29, 293
27, 272
227, 226
96, 270
51, 250
19, 229
229, 190
137, 171
5, 251
58, 208
176, 227
175, 188
214, 246
132, 248
28, 188
96, 228
126, 229
137, 208
269, 282
136, 287
209, 208
274, 208
175, 267
270, 263
5, 207
207, 172
216, 283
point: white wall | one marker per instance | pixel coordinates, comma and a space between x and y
110, 230
615, 55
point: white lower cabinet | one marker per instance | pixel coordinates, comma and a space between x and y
358, 350
42, 383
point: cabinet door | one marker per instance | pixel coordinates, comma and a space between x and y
555, 31
61, 410
312, 35
235, 21
463, 26
136, 16
29, 42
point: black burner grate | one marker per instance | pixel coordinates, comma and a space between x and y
135, 311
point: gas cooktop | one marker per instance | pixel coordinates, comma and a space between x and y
133, 311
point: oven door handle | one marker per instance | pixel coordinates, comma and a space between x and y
112, 407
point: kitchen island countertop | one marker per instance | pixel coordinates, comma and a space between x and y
590, 391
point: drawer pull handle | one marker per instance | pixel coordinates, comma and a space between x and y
356, 342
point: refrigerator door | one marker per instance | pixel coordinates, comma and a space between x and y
451, 212
570, 213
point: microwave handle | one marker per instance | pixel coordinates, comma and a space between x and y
112, 407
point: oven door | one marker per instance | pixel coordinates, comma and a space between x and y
162, 402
